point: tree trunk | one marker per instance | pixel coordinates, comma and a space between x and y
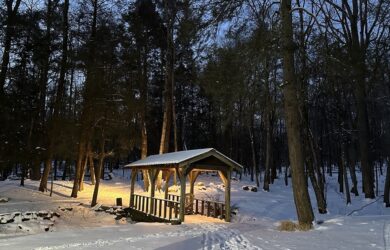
144, 131
77, 176
347, 193
168, 88
53, 124
45, 175
64, 173
340, 178
255, 170
386, 193
10, 24
99, 170
84, 167
352, 172
91, 168
42, 97
86, 114
291, 107
144, 154
23, 175
268, 158
35, 170
362, 124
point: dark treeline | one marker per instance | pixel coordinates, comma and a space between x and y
295, 88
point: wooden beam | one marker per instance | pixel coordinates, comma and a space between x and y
222, 175
227, 195
182, 177
134, 172
193, 176
169, 174
153, 173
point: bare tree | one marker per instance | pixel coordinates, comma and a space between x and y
291, 108
358, 24
12, 10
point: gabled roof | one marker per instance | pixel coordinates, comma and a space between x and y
183, 158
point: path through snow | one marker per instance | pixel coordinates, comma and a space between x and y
213, 235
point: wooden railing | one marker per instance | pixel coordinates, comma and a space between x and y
203, 207
169, 208
161, 208
173, 197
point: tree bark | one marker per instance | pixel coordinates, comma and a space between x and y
347, 193
254, 163
91, 168
168, 88
42, 99
99, 170
10, 23
144, 101
291, 107
84, 167
86, 114
386, 193
53, 123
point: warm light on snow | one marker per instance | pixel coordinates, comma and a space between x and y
254, 226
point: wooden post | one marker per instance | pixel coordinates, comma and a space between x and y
227, 195
134, 172
152, 177
169, 174
225, 176
182, 177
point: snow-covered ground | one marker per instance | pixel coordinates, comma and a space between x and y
365, 224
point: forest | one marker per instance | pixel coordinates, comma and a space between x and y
296, 89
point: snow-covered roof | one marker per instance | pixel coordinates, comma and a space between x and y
182, 158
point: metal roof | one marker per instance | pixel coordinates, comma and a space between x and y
183, 157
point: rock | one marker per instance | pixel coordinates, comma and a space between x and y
43, 213
34, 215
254, 189
25, 219
105, 208
4, 199
246, 188
69, 208
56, 214
118, 217
175, 222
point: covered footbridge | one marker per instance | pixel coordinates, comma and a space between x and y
187, 165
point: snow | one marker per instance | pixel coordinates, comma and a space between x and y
181, 157
170, 158
364, 224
